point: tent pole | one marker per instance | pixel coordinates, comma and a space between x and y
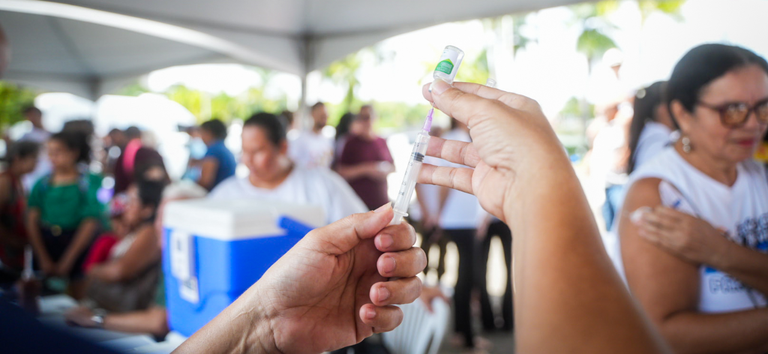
301, 113
308, 58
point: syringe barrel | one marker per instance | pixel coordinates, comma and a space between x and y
411, 173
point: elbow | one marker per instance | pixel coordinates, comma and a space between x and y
681, 341
159, 323
113, 273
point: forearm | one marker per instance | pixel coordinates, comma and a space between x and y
558, 251
33, 231
125, 268
82, 239
153, 320
240, 328
691, 332
208, 173
108, 272
745, 264
352, 171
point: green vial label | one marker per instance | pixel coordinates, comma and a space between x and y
445, 66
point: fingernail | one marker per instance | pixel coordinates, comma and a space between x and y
388, 265
439, 86
382, 208
637, 215
370, 314
383, 294
385, 241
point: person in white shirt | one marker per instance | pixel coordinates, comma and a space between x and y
652, 126
273, 176
459, 214
38, 135
694, 255
310, 148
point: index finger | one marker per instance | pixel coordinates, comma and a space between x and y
459, 152
489, 93
670, 212
510, 99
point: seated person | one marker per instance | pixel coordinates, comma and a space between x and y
21, 159
127, 281
152, 320
102, 246
273, 176
218, 163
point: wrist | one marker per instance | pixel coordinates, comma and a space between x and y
98, 318
722, 259
259, 336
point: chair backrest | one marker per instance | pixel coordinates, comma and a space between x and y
422, 331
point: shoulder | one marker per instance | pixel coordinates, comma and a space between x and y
664, 163
229, 187
320, 175
340, 198
40, 182
754, 168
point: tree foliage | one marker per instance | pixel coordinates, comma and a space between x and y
13, 99
344, 72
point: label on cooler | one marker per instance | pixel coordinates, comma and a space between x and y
182, 252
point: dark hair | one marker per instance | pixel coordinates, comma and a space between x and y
132, 132
271, 124
75, 141
646, 101
316, 106
215, 127
288, 116
702, 65
31, 109
84, 126
150, 192
344, 122
21, 150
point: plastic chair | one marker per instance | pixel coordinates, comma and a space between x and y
422, 331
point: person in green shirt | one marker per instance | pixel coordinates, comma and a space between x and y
64, 212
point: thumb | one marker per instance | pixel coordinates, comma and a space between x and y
343, 235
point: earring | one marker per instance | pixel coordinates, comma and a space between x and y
686, 144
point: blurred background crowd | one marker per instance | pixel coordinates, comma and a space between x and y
84, 183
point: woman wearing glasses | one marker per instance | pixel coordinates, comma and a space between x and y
694, 253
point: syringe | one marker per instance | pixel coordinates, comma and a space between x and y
415, 161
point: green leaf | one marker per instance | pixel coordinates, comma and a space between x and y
593, 43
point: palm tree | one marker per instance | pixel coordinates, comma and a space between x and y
344, 72
669, 7
594, 41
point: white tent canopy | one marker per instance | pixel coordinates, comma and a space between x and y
89, 47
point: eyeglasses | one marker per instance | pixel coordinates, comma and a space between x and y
735, 114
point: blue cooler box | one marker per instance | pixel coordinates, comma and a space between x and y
215, 250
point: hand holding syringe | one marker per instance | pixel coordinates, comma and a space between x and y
446, 70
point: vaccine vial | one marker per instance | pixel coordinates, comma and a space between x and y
449, 64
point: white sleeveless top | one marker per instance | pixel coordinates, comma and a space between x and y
740, 210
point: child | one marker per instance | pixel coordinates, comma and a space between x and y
64, 212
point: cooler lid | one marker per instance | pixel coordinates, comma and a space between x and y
237, 219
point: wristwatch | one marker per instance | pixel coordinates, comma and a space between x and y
98, 317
